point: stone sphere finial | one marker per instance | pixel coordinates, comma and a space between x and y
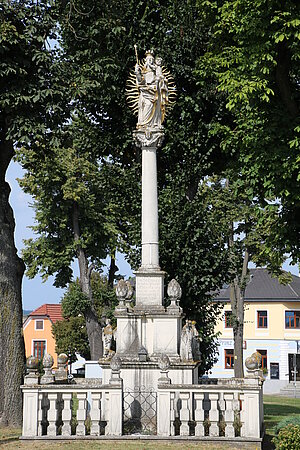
121, 289
32, 363
253, 362
62, 359
174, 290
164, 362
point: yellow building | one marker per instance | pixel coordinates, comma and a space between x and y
271, 326
37, 330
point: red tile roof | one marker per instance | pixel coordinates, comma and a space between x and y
53, 311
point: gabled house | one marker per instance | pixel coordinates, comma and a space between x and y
271, 326
37, 330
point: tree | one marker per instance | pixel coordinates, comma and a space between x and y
258, 76
71, 333
25, 96
73, 219
98, 41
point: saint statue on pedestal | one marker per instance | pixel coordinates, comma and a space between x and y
107, 335
151, 92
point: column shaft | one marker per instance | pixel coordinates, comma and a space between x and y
150, 254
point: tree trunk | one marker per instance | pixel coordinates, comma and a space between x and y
283, 79
12, 351
113, 268
93, 327
237, 290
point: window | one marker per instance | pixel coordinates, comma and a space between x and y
39, 324
229, 358
274, 371
264, 358
292, 319
228, 319
262, 319
39, 348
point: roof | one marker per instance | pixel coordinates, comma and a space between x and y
53, 311
263, 287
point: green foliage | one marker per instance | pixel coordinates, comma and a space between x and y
91, 159
290, 420
288, 438
70, 336
225, 125
74, 302
30, 89
258, 76
62, 178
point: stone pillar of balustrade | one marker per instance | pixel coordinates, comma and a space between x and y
199, 414
66, 414
185, 413
95, 413
214, 414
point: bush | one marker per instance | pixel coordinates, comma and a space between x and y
288, 438
291, 420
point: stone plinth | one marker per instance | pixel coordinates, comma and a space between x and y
155, 329
148, 373
149, 289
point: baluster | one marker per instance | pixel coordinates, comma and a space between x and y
66, 414
229, 415
81, 414
40, 414
222, 407
199, 414
95, 413
52, 414
242, 414
213, 415
236, 411
172, 414
184, 414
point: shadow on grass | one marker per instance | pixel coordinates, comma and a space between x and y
267, 444
275, 409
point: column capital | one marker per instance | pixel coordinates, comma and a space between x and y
149, 137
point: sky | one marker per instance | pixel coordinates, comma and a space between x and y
35, 291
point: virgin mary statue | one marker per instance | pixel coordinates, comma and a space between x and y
150, 91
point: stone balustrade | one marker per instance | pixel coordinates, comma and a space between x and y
66, 410
229, 408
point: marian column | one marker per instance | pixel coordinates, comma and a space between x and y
149, 336
150, 89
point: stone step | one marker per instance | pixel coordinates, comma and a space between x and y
291, 390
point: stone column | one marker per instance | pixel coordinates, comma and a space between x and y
149, 278
150, 254
149, 140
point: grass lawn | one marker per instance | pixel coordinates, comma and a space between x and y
276, 408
